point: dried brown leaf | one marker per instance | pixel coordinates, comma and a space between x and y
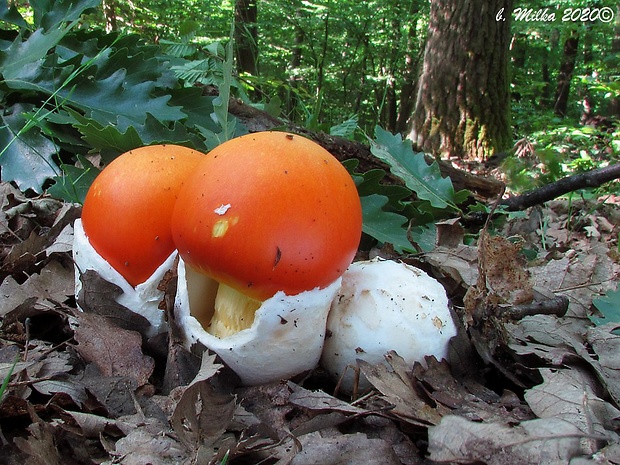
40, 445
93, 426
141, 447
569, 394
467, 397
460, 263
113, 350
550, 441
53, 283
553, 339
504, 270
98, 296
203, 414
580, 275
605, 343
394, 382
349, 449
147, 440
321, 401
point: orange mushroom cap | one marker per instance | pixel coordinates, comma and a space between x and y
269, 212
127, 210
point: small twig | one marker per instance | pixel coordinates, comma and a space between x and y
27, 343
557, 305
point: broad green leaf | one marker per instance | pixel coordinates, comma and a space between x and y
49, 14
345, 129
220, 113
424, 236
196, 106
110, 142
74, 182
609, 306
23, 58
25, 156
386, 227
110, 85
370, 183
10, 14
423, 179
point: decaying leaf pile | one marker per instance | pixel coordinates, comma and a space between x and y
531, 379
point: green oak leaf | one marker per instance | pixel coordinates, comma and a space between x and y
26, 156
74, 182
609, 306
385, 226
423, 179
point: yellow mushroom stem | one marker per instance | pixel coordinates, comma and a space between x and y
233, 312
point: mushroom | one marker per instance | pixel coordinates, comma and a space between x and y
124, 233
265, 228
382, 306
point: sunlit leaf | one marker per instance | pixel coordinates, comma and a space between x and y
424, 179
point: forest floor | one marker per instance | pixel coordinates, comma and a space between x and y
529, 380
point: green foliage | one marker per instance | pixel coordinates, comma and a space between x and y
561, 149
609, 306
423, 179
68, 92
404, 215
7, 379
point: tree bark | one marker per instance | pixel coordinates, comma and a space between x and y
566, 73
463, 103
246, 36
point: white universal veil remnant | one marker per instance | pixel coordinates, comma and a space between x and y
381, 306
285, 337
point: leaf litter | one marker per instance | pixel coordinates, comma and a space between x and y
523, 385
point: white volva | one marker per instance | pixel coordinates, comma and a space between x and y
144, 299
381, 306
285, 339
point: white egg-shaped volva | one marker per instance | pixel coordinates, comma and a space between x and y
385, 306
144, 299
285, 339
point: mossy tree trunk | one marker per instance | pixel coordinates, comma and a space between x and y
463, 100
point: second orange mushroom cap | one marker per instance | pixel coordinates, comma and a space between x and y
269, 212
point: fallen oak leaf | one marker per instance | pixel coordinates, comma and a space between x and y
40, 445
203, 414
605, 343
114, 351
551, 441
98, 296
569, 394
344, 449
393, 382
52, 283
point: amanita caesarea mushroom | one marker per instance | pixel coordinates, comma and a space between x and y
124, 233
265, 227
382, 306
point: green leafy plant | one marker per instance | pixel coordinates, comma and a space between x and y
69, 92
404, 215
609, 307
7, 379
